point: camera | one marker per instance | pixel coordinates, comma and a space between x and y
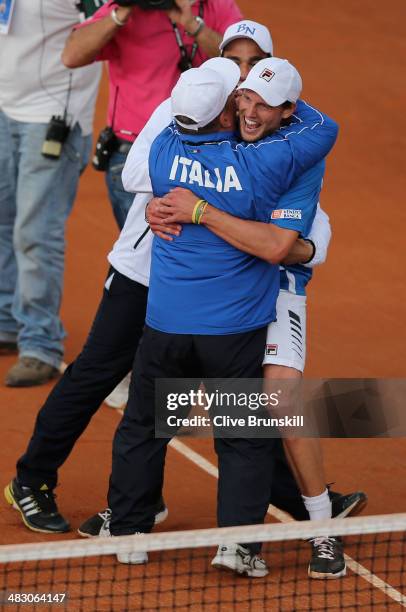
105, 146
148, 5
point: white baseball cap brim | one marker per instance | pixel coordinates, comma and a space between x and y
201, 93
275, 80
249, 29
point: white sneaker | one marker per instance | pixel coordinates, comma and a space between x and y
119, 396
136, 557
239, 559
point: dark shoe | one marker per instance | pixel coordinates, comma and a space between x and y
99, 524
327, 558
341, 505
8, 348
96, 525
347, 505
37, 508
29, 372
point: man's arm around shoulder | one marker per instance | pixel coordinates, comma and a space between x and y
263, 240
311, 138
293, 149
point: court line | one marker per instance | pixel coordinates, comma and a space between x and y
284, 517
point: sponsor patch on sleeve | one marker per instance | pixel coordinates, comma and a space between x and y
286, 213
271, 349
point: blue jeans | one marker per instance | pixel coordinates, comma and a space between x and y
120, 199
36, 197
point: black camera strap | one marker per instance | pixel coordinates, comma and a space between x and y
113, 117
113, 114
186, 59
65, 115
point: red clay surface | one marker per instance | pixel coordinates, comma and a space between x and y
351, 56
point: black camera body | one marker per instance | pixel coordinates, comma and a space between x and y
57, 133
149, 5
105, 146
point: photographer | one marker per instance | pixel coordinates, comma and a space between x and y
147, 44
46, 116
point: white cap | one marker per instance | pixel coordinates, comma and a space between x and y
275, 80
249, 29
201, 93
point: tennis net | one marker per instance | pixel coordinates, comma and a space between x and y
80, 575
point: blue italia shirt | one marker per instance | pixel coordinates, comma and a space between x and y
295, 278
199, 283
302, 195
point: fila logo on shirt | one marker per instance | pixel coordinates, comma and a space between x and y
190, 172
286, 214
271, 349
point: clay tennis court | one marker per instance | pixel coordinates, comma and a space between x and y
351, 56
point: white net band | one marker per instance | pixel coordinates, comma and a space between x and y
386, 523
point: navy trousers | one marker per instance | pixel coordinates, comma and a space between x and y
106, 358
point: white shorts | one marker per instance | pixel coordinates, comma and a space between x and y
286, 337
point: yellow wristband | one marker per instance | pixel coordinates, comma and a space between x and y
201, 212
196, 209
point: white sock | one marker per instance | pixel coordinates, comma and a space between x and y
318, 507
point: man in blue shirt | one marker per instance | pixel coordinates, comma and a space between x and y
247, 182
258, 111
209, 302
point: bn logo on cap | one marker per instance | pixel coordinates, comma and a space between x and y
243, 27
267, 74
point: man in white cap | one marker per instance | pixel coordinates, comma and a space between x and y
215, 330
286, 338
267, 97
107, 355
245, 43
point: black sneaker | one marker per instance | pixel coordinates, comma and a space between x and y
327, 558
99, 524
347, 505
96, 525
37, 508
